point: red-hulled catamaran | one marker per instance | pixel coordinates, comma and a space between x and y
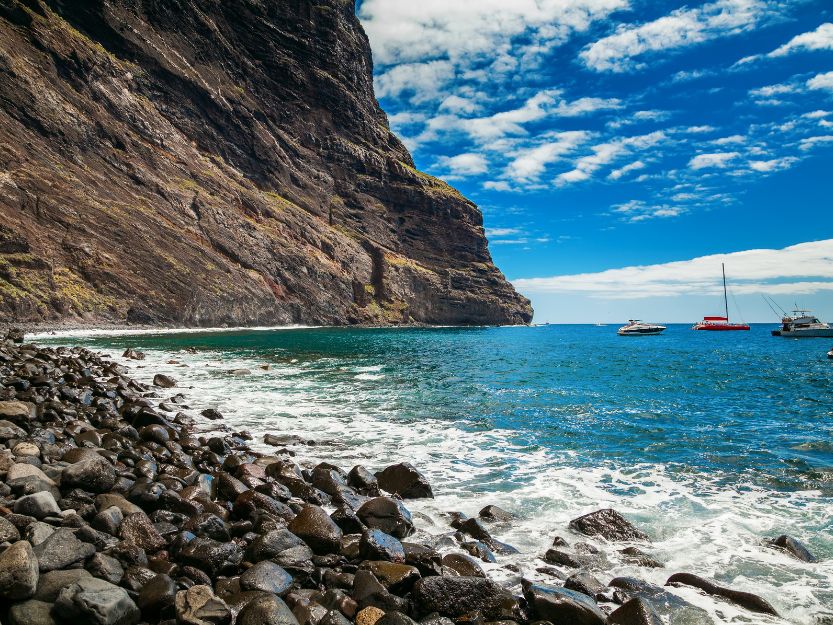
720, 324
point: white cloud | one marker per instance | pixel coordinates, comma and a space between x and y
459, 104
773, 164
810, 142
605, 154
501, 232
822, 81
497, 185
816, 114
772, 90
680, 28
528, 164
467, 164
718, 160
731, 140
616, 174
819, 39
637, 210
425, 81
800, 269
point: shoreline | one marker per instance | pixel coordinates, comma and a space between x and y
535, 602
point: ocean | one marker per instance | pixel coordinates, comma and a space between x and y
710, 442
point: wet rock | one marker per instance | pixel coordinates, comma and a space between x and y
638, 557
163, 381
674, 609
199, 606
212, 414
207, 525
266, 576
105, 500
396, 618
138, 529
133, 354
609, 524
32, 612
39, 505
376, 545
369, 591
61, 550
427, 559
747, 600
250, 503
211, 556
266, 610
93, 474
388, 515
108, 520
8, 532
493, 513
347, 519
271, 544
18, 572
315, 527
92, 600
794, 547
334, 617
462, 565
458, 596
636, 611
9, 430
404, 480
156, 598
397, 578
559, 605
369, 616
363, 481
106, 567
584, 582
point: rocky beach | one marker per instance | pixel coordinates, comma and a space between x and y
119, 508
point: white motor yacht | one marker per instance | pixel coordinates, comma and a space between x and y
640, 328
803, 323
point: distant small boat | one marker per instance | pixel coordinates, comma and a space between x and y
640, 328
830, 354
801, 324
720, 324
601, 325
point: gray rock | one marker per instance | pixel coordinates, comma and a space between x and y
560, 605
61, 550
39, 505
456, 596
50, 584
94, 601
38, 532
9, 430
31, 612
199, 606
8, 532
794, 547
493, 513
266, 610
92, 474
315, 527
106, 567
273, 543
164, 381
18, 572
609, 524
376, 545
404, 480
388, 515
211, 556
138, 529
585, 583
108, 520
266, 576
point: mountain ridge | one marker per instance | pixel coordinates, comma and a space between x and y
200, 162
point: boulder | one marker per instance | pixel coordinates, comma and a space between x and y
672, 608
199, 606
93, 474
50, 584
163, 381
584, 582
462, 565
157, 597
17, 410
267, 577
794, 547
747, 600
397, 578
96, 602
636, 611
634, 555
32, 612
18, 572
8, 532
266, 610
106, 567
133, 354
608, 524
363, 481
61, 550
315, 527
39, 505
388, 515
404, 480
376, 545
138, 529
211, 556
456, 596
493, 513
561, 605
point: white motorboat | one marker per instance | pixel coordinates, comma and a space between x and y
801, 324
640, 328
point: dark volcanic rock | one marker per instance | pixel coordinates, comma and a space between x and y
561, 605
211, 556
266, 610
93, 474
666, 604
157, 597
376, 545
388, 515
404, 480
199, 606
609, 524
92, 600
794, 547
636, 611
254, 160
165, 381
751, 602
266, 576
315, 527
457, 596
62, 549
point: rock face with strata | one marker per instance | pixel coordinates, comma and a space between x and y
202, 164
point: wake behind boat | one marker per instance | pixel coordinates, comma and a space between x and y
720, 324
803, 324
640, 328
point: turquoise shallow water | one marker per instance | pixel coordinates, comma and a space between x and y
711, 441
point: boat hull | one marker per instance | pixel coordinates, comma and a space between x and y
651, 332
809, 334
723, 327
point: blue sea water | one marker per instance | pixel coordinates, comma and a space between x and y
711, 441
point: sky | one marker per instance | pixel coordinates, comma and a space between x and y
621, 150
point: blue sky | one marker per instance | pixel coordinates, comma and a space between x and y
621, 149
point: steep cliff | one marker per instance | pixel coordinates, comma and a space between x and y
220, 161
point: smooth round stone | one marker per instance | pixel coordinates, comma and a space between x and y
266, 576
18, 572
26, 449
39, 505
315, 527
92, 600
31, 612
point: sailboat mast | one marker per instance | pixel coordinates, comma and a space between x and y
725, 299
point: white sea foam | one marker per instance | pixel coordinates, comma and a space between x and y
698, 524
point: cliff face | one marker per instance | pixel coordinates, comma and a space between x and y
211, 161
